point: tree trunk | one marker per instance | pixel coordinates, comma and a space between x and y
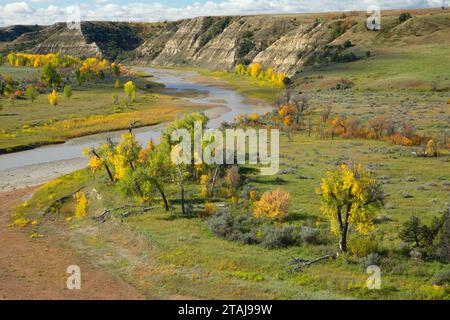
163, 195
183, 209
343, 242
104, 164
213, 183
309, 126
344, 231
138, 186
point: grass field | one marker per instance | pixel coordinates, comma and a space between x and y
246, 86
408, 85
90, 110
164, 254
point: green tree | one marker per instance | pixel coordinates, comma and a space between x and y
350, 196
411, 231
80, 77
154, 169
50, 76
67, 90
31, 93
115, 68
184, 171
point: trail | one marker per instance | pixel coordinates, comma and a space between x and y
36, 268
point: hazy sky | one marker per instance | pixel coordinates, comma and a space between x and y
51, 11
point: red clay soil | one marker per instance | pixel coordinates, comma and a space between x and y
36, 268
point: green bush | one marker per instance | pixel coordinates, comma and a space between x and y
248, 230
404, 16
280, 237
347, 44
372, 259
239, 228
67, 90
362, 247
441, 278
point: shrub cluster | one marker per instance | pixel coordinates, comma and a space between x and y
248, 230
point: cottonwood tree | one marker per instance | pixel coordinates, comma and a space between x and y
301, 105
379, 125
31, 93
50, 76
350, 197
154, 169
184, 171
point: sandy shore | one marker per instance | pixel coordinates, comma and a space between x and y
22, 177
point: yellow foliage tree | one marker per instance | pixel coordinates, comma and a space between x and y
431, 149
273, 205
255, 70
53, 98
349, 197
210, 210
254, 117
130, 90
81, 205
204, 179
241, 69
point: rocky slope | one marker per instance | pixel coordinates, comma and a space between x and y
68, 41
287, 43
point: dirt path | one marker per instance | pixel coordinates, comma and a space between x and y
36, 268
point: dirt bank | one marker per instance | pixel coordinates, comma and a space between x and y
36, 268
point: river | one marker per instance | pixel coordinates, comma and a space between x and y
39, 165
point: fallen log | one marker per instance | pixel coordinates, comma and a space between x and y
130, 210
300, 263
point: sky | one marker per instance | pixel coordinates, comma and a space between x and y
47, 12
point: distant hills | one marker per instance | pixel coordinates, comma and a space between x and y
286, 43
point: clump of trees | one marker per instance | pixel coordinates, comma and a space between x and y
56, 74
431, 241
142, 171
50, 76
256, 71
10, 88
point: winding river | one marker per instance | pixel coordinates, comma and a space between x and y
36, 166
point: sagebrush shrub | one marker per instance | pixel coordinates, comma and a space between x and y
441, 278
373, 259
362, 247
310, 235
280, 237
240, 228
